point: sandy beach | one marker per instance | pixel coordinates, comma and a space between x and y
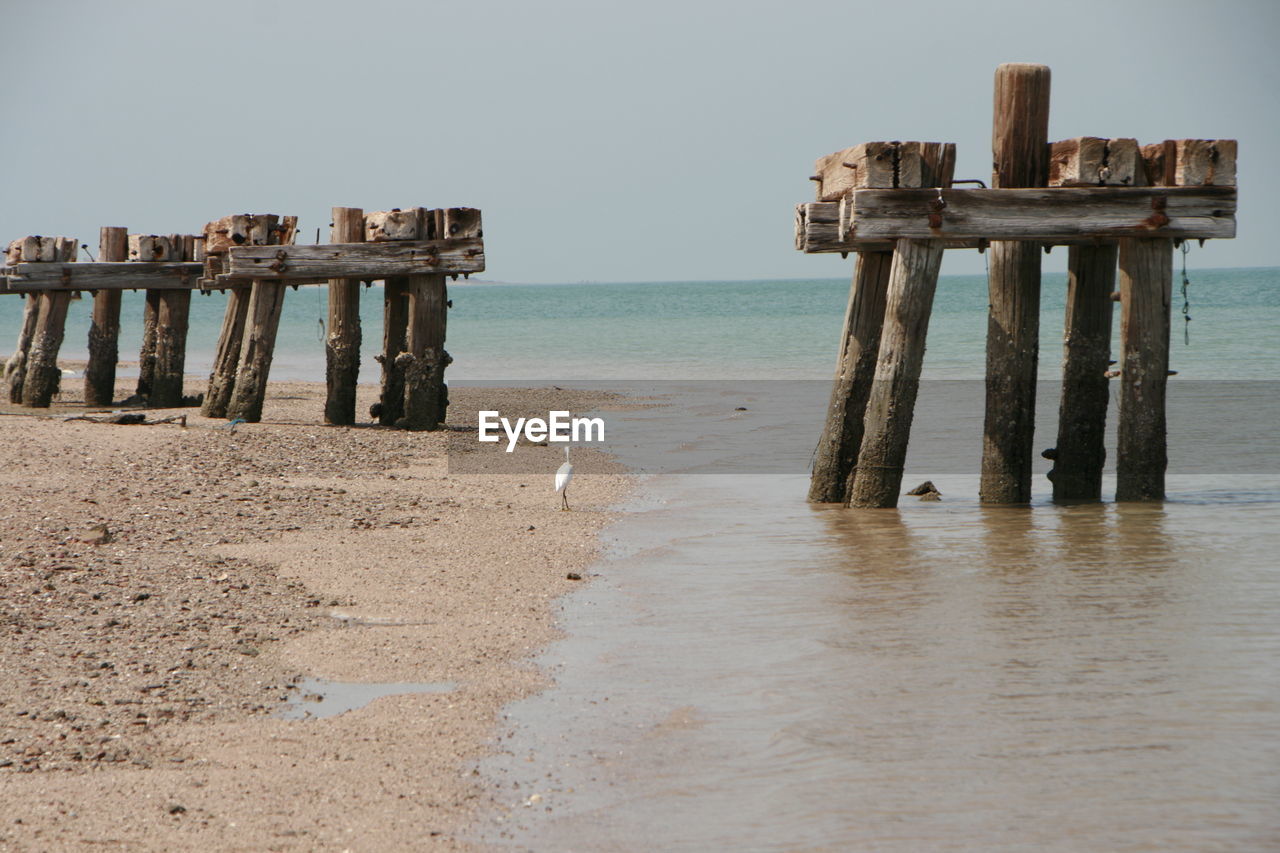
167, 590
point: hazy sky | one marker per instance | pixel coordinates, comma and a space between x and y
604, 141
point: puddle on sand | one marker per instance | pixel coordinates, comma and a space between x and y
319, 698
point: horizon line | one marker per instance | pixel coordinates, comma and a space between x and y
591, 282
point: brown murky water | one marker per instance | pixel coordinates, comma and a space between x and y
753, 673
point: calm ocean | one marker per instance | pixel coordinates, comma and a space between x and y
751, 672
707, 330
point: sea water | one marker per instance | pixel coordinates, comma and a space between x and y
751, 672
704, 330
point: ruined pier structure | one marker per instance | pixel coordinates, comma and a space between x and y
1112, 202
254, 259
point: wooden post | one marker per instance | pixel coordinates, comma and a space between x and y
1081, 451
1021, 148
104, 327
395, 324
15, 368
238, 383
426, 397
226, 359
170, 350
150, 247
421, 360
837, 451
342, 347
424, 359
147, 352
904, 165
1146, 294
1146, 284
382, 226
913, 279
43, 375
266, 298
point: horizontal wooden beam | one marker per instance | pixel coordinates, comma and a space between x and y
354, 260
1044, 215
127, 275
818, 231
223, 282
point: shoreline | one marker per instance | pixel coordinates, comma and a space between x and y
142, 671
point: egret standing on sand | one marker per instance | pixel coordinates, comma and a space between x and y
563, 476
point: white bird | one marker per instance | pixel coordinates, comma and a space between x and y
563, 475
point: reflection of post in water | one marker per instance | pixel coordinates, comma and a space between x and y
891, 569
1009, 536
1085, 540
1143, 546
1012, 561
1075, 624
1088, 576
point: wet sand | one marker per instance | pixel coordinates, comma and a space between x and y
164, 591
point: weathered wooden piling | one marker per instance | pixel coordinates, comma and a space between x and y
1080, 453
342, 346
1100, 197
913, 278
422, 361
837, 451
238, 383
416, 245
426, 396
1020, 143
104, 326
418, 360
1146, 284
266, 299
867, 166
222, 379
395, 326
219, 236
415, 223
43, 376
162, 362
255, 258
1146, 291
147, 352
148, 248
15, 368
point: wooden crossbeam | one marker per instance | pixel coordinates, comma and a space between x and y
367, 261
127, 275
818, 231
1044, 215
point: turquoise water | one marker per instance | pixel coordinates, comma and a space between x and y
707, 330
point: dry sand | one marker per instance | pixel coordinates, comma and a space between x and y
142, 671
